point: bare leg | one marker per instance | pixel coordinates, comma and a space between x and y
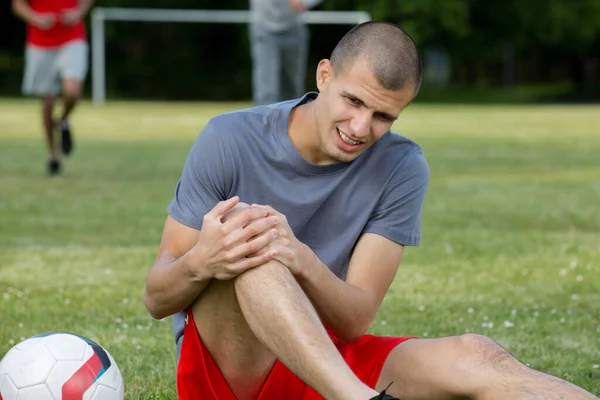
272, 319
468, 367
47, 110
71, 94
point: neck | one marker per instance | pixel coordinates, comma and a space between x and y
303, 133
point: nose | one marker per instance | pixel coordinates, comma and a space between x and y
360, 126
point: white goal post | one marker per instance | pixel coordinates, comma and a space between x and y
100, 14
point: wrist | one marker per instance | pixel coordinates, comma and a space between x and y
194, 267
309, 262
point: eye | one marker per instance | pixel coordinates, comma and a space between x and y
384, 117
354, 102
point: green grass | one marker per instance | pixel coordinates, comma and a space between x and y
510, 248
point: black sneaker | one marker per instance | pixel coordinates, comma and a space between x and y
384, 396
66, 138
53, 167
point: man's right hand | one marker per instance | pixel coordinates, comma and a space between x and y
228, 236
44, 20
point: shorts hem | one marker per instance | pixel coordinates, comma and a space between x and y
382, 357
34, 93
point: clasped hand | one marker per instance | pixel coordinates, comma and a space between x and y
288, 249
236, 237
68, 17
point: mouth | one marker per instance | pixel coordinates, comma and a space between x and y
346, 139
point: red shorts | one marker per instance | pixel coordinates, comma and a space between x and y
199, 378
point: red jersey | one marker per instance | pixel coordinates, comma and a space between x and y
59, 33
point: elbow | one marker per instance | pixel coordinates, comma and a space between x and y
356, 330
154, 311
359, 325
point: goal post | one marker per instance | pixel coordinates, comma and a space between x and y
100, 15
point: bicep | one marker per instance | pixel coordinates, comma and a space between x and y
177, 239
374, 264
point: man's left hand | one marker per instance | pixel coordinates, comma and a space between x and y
71, 16
290, 251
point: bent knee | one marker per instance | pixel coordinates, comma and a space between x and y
483, 350
268, 272
481, 359
474, 342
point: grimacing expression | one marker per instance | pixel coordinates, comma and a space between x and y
356, 111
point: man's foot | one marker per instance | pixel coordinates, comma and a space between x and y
53, 167
383, 396
66, 138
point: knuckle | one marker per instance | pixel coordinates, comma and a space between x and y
230, 269
258, 212
228, 257
249, 214
253, 230
252, 247
225, 242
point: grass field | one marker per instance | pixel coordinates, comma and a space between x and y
510, 247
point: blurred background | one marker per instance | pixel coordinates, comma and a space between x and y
496, 50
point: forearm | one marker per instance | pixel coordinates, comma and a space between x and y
22, 10
171, 287
345, 309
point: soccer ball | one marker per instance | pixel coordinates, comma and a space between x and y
59, 366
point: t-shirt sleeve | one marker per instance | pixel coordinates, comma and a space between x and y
397, 216
206, 179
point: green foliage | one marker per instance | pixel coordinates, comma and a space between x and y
551, 41
560, 22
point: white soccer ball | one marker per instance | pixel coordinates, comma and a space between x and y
59, 366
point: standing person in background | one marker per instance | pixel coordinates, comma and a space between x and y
279, 44
56, 60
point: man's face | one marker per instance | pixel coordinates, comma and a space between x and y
354, 110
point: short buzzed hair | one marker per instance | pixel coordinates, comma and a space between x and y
390, 52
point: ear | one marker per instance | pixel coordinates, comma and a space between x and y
324, 74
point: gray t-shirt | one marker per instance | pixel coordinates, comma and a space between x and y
248, 153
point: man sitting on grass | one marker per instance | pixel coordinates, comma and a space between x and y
274, 296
